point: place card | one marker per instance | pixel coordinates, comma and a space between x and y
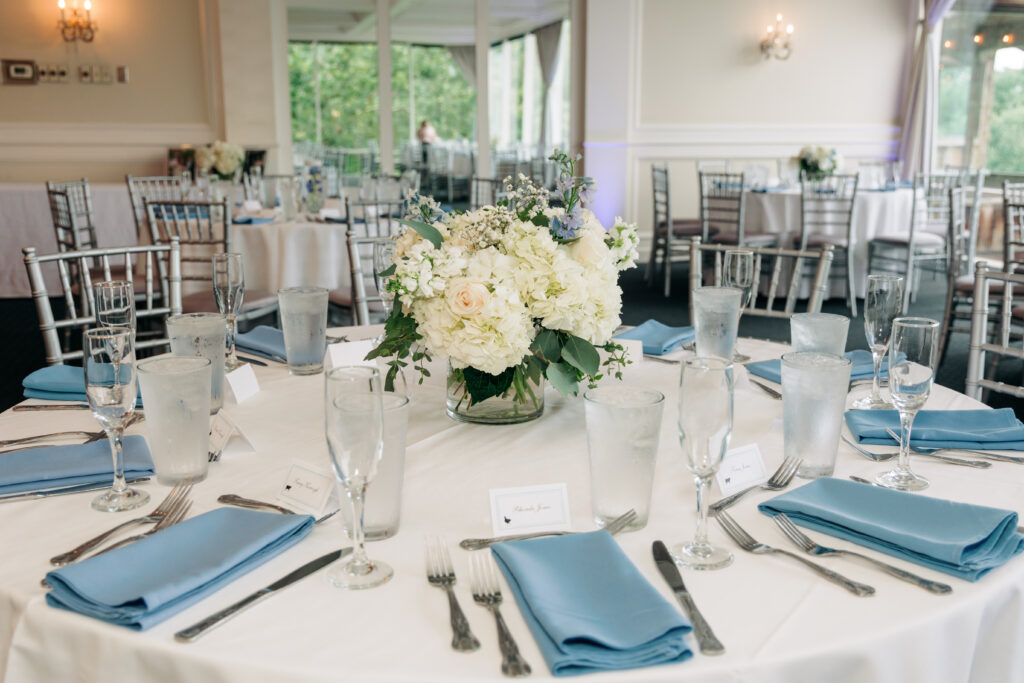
330, 213
221, 429
252, 206
309, 489
527, 509
242, 381
741, 468
351, 353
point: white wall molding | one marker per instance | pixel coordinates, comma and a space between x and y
104, 134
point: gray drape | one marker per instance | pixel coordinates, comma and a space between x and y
548, 38
464, 57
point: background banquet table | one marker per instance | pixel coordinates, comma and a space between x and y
875, 213
25, 222
778, 621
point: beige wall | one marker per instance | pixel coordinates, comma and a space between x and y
72, 129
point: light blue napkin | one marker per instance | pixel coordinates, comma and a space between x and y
863, 367
657, 338
768, 190
252, 220
58, 383
52, 466
993, 429
264, 341
956, 538
146, 582
588, 606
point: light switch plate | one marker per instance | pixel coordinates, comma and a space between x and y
85, 74
19, 72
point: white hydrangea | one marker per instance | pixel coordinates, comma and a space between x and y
623, 242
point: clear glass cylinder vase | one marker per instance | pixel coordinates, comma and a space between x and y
511, 407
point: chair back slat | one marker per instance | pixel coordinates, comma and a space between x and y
826, 205
984, 340
203, 228
152, 188
722, 203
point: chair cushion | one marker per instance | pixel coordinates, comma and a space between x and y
818, 239
753, 239
965, 283
199, 302
922, 238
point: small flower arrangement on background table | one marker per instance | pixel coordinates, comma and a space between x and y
512, 294
816, 161
221, 158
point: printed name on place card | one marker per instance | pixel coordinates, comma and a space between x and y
530, 508
309, 489
243, 383
741, 468
221, 429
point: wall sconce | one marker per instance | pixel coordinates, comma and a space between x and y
776, 40
79, 25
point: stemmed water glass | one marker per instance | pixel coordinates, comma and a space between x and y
354, 413
912, 362
114, 304
882, 303
705, 424
229, 291
383, 257
110, 386
739, 274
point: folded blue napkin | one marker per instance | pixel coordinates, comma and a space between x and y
657, 338
53, 466
252, 220
146, 582
993, 429
262, 340
58, 383
956, 538
766, 190
588, 606
863, 367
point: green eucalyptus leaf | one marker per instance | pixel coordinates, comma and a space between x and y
481, 385
387, 272
426, 231
563, 379
581, 354
546, 346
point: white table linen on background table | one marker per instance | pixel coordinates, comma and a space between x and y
778, 621
875, 214
293, 253
25, 222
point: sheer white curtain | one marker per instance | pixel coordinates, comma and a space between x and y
920, 111
548, 38
464, 57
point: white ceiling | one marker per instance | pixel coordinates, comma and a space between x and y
432, 22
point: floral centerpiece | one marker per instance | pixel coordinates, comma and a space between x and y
512, 294
314, 186
817, 161
221, 158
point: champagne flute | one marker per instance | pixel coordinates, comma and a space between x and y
739, 273
229, 291
110, 386
383, 258
912, 361
114, 304
354, 413
882, 303
705, 424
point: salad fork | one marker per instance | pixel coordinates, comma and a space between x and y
747, 542
484, 584
922, 450
440, 573
804, 541
612, 527
178, 515
882, 457
777, 482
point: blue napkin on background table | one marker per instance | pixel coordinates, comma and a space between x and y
58, 383
978, 429
863, 367
252, 220
956, 538
262, 340
588, 606
766, 190
150, 580
52, 466
657, 338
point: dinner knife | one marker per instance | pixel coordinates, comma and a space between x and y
62, 490
706, 640
199, 628
254, 361
51, 406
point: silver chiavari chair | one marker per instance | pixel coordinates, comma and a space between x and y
72, 214
960, 292
723, 207
775, 264
363, 297
484, 192
826, 217
151, 188
670, 234
366, 223
160, 296
1000, 338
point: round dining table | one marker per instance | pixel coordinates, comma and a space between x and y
778, 621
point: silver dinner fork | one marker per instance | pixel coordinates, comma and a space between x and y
933, 452
612, 527
176, 495
91, 436
177, 515
441, 573
483, 581
774, 393
747, 542
778, 481
811, 548
889, 455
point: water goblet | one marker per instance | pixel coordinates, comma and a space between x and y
229, 291
114, 304
111, 388
882, 303
383, 258
738, 272
354, 415
705, 424
912, 361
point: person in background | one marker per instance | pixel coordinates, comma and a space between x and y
427, 136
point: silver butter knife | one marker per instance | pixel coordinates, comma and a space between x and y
51, 406
706, 640
199, 628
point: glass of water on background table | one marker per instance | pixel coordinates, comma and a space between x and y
738, 272
202, 335
623, 424
882, 303
912, 360
110, 386
176, 392
229, 291
716, 313
705, 424
304, 323
822, 332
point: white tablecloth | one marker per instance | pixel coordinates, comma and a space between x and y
25, 222
779, 622
874, 214
293, 253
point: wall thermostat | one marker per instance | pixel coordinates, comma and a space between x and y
19, 71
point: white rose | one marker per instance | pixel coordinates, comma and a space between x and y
467, 297
590, 249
